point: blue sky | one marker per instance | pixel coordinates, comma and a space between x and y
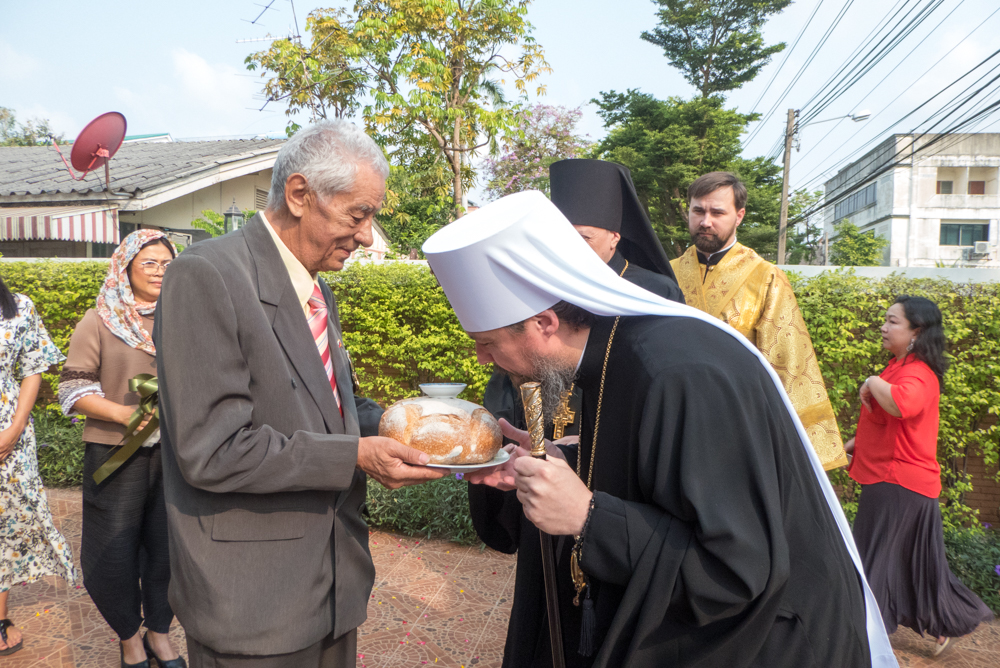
177, 67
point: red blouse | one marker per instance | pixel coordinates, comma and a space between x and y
901, 450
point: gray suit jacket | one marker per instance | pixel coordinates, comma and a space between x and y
268, 548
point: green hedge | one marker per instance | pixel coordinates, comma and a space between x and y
401, 332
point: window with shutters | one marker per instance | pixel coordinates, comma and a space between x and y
977, 187
945, 187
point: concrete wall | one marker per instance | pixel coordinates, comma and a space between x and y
956, 275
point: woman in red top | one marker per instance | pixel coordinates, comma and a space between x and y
898, 526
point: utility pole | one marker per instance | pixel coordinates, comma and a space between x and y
783, 220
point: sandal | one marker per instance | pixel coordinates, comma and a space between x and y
941, 646
172, 663
4, 625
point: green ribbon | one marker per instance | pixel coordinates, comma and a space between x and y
147, 387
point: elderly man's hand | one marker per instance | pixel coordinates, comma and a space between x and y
393, 464
553, 496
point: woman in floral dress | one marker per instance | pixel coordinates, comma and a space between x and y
30, 545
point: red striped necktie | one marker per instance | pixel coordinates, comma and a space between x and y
318, 326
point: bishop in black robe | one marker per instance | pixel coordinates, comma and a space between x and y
710, 542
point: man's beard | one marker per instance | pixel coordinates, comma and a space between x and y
707, 244
556, 379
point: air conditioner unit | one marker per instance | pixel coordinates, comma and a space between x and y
982, 248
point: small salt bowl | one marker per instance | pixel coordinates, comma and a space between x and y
442, 390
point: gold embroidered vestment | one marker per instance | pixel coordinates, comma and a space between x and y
755, 297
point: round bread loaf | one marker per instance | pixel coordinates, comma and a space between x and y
451, 431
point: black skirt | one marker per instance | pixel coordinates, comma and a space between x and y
899, 537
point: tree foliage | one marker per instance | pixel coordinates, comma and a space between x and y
716, 44
544, 134
669, 143
320, 77
804, 238
33, 132
211, 222
854, 248
425, 72
418, 200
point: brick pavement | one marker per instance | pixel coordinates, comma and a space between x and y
434, 603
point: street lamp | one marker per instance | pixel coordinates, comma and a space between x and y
791, 128
233, 218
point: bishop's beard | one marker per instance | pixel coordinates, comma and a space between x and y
556, 379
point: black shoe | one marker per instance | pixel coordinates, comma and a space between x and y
4, 625
179, 662
121, 652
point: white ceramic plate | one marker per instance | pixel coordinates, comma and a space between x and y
501, 456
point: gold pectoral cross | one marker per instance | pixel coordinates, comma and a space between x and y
563, 416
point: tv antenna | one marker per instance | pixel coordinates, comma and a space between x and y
95, 145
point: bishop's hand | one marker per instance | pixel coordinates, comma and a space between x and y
552, 495
502, 477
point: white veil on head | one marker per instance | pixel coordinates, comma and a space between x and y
518, 256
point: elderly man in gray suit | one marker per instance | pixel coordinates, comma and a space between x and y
265, 446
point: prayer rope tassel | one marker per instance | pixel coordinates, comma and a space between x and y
588, 627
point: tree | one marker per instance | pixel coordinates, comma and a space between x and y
667, 144
804, 236
716, 44
35, 132
211, 222
418, 200
854, 248
320, 77
430, 72
215, 223
544, 134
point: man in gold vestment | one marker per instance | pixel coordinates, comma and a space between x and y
731, 282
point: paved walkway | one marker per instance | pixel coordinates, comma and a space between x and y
435, 604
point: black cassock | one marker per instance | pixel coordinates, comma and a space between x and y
710, 543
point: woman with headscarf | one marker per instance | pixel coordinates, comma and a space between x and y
898, 527
124, 551
30, 545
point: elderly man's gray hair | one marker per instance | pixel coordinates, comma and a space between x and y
328, 154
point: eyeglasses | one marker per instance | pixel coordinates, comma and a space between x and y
152, 267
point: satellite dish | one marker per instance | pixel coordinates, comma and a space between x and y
95, 145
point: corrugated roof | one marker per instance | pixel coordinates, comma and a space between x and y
137, 167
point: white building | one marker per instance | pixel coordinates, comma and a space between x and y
935, 199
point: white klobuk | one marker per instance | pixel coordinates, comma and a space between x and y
518, 256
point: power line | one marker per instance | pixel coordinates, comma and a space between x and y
809, 59
859, 65
874, 56
924, 104
970, 117
787, 56
892, 163
883, 79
